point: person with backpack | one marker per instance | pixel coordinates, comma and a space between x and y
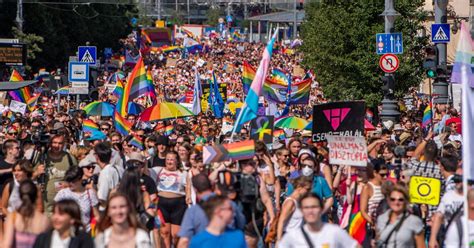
455, 231
397, 227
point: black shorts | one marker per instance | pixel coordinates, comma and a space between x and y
172, 209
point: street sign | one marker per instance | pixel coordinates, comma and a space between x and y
78, 91
440, 33
389, 43
87, 54
389, 63
78, 72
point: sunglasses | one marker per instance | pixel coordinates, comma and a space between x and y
89, 167
104, 129
383, 174
397, 199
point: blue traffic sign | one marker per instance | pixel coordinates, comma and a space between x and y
87, 54
389, 43
440, 33
78, 72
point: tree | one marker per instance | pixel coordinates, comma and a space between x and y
213, 15
32, 42
339, 44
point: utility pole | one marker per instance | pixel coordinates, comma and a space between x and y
295, 21
389, 104
19, 15
440, 85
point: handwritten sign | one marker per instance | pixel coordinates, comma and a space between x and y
347, 150
17, 107
425, 190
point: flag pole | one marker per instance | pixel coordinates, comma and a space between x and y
430, 104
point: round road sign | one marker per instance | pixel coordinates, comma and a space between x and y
389, 63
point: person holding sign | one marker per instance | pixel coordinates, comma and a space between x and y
397, 227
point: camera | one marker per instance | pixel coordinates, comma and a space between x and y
39, 136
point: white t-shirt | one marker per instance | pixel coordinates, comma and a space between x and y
330, 236
109, 178
452, 235
448, 205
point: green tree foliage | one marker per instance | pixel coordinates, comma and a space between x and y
65, 27
339, 44
213, 15
32, 42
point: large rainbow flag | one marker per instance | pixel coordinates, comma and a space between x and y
122, 126
20, 95
137, 85
427, 116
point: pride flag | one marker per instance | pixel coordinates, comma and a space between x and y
248, 74
20, 95
250, 108
136, 142
118, 91
121, 125
89, 126
137, 85
168, 130
357, 227
427, 116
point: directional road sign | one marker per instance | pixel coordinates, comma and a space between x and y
78, 72
389, 63
440, 33
389, 43
87, 54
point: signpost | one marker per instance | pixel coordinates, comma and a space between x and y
389, 43
389, 63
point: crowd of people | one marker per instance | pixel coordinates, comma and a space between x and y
61, 187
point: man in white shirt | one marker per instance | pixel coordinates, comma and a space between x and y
110, 174
455, 235
316, 233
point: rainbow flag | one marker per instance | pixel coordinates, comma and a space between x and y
121, 124
279, 133
168, 130
89, 126
357, 227
136, 142
427, 115
137, 85
248, 74
20, 95
32, 101
250, 107
151, 87
241, 150
169, 49
118, 91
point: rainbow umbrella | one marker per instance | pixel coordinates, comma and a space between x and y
63, 91
114, 77
164, 110
292, 122
309, 126
99, 108
135, 108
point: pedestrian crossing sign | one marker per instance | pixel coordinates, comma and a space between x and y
87, 54
440, 33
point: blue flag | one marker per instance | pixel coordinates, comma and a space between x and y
215, 99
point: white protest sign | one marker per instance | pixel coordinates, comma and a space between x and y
18, 107
347, 150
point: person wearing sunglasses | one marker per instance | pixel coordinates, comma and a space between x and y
105, 128
397, 227
371, 194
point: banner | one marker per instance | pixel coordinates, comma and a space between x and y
347, 150
233, 151
338, 118
425, 190
206, 89
261, 128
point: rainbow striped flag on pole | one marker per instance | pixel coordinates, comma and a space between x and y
427, 116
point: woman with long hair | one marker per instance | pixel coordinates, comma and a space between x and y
67, 230
184, 151
23, 225
76, 190
171, 184
11, 200
120, 227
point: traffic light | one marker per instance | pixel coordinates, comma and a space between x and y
442, 72
388, 85
431, 61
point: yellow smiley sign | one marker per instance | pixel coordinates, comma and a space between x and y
425, 190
